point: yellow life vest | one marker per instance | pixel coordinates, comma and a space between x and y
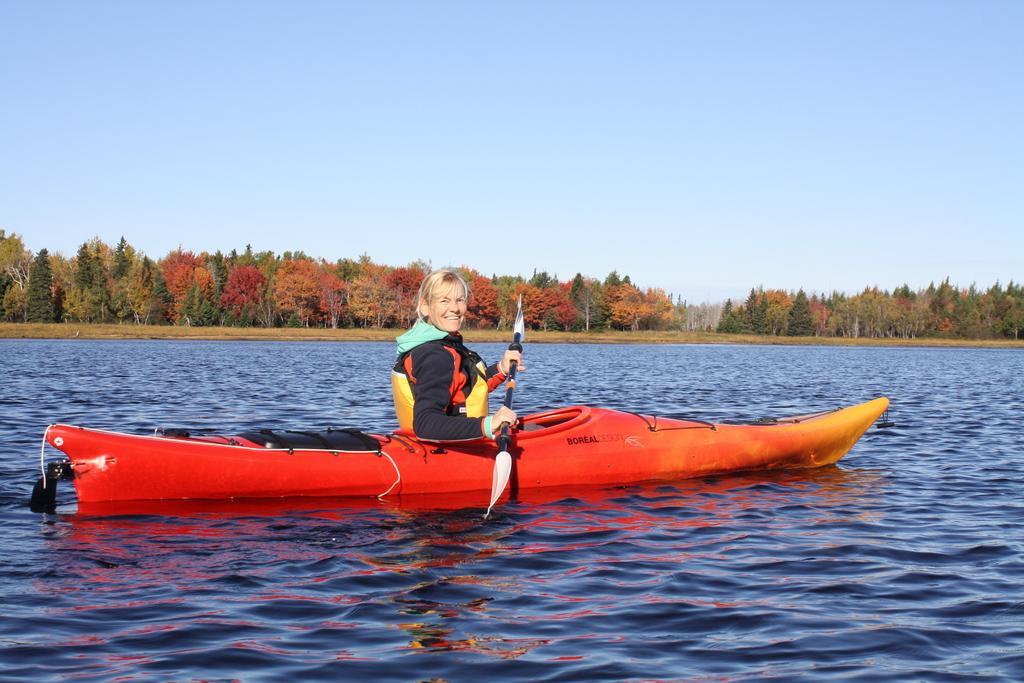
472, 405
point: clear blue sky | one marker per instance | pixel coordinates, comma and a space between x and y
701, 147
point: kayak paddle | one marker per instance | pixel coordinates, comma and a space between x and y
503, 461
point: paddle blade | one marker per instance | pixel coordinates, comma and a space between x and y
520, 327
502, 472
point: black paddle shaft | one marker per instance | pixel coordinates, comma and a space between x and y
503, 438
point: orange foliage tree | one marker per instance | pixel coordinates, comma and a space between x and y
188, 283
371, 302
333, 297
624, 303
297, 290
655, 309
404, 283
178, 267
534, 302
776, 316
483, 302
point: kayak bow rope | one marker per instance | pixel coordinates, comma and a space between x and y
503, 460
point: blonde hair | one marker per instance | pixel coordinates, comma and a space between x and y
437, 284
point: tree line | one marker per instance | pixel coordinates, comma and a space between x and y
120, 284
942, 310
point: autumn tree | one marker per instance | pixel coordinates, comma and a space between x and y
942, 301
483, 308
776, 305
972, 313
404, 282
177, 269
143, 290
843, 319
333, 296
564, 312
508, 287
297, 290
655, 309
371, 302
873, 312
537, 302
191, 286
61, 277
624, 302
15, 263
244, 293
909, 313
15, 259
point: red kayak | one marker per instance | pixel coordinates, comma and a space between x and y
571, 446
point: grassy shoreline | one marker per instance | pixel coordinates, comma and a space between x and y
104, 331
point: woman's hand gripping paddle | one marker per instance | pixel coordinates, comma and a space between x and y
503, 461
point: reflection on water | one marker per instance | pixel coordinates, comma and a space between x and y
429, 570
903, 562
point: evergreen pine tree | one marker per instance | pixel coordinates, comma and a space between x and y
756, 310
83, 268
904, 292
580, 299
5, 282
40, 296
121, 261
761, 318
206, 315
91, 282
161, 296
197, 311
800, 324
58, 303
217, 266
542, 280
730, 322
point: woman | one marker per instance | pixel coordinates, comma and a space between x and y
439, 386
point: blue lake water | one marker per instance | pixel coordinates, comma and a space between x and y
903, 562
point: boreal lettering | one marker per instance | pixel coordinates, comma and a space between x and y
592, 439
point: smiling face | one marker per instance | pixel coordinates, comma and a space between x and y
446, 310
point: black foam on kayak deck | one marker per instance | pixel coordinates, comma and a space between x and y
329, 440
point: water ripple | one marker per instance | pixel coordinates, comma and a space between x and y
902, 563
